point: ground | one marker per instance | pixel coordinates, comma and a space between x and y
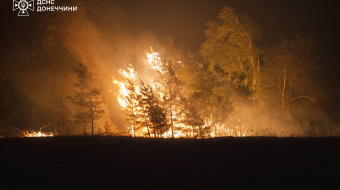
126, 163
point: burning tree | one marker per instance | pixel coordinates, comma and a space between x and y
150, 107
130, 108
87, 98
171, 90
159, 109
154, 112
143, 110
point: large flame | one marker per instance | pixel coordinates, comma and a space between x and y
38, 134
155, 62
123, 92
130, 73
180, 130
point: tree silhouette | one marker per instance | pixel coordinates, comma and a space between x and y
192, 117
288, 71
87, 98
155, 113
131, 101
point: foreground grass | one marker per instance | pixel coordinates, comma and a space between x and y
124, 162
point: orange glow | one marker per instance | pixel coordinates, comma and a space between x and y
38, 134
155, 62
140, 125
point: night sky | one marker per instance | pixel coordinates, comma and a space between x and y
184, 20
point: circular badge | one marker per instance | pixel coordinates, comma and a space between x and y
23, 5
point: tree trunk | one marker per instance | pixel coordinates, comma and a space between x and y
62, 113
92, 125
283, 90
154, 130
240, 130
201, 131
92, 114
214, 124
147, 125
149, 131
92, 121
172, 125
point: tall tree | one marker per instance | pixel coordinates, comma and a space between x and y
130, 110
288, 72
192, 118
87, 98
169, 87
213, 97
155, 113
8, 110
172, 88
143, 104
58, 109
230, 49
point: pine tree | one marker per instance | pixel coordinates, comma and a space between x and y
87, 98
131, 105
192, 118
155, 113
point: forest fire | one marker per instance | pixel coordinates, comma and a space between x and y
155, 61
232, 95
38, 134
150, 109
155, 110
134, 102
230, 82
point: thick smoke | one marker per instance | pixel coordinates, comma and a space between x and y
266, 118
101, 40
43, 65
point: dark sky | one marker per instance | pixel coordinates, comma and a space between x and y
185, 20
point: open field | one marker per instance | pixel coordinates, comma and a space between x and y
126, 163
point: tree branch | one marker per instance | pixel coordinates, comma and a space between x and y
308, 97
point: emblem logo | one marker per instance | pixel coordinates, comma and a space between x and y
23, 6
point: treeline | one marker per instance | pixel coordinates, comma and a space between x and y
240, 89
160, 109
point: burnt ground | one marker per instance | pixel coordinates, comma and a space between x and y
126, 163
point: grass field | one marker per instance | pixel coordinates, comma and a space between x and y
135, 163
